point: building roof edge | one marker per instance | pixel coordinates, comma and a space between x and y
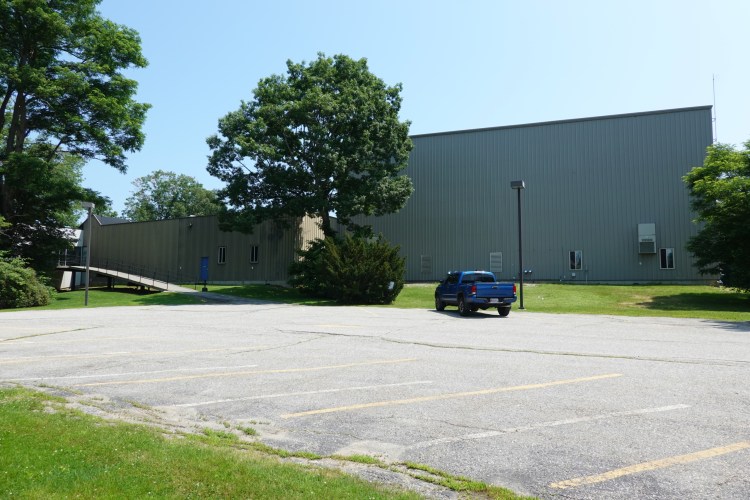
557, 122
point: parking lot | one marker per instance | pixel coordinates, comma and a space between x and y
549, 405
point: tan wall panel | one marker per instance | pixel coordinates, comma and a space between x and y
174, 248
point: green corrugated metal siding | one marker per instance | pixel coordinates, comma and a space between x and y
589, 183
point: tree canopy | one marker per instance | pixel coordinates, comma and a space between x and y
323, 139
167, 195
43, 190
720, 191
63, 100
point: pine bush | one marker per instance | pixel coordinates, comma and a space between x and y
350, 270
20, 286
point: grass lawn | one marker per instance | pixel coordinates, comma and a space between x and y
51, 451
679, 301
116, 297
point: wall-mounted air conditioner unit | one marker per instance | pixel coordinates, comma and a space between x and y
647, 238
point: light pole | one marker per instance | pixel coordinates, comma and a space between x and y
89, 206
518, 186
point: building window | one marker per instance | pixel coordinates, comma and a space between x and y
666, 258
576, 260
254, 254
222, 257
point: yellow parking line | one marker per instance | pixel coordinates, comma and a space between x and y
653, 465
452, 395
250, 372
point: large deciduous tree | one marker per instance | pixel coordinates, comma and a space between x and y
720, 192
323, 139
167, 195
42, 207
63, 98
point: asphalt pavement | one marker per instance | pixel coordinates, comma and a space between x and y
571, 406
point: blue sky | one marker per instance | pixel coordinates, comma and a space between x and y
463, 65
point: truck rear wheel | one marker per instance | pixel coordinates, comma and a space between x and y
503, 311
439, 304
463, 308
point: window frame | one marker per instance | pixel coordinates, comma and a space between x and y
575, 260
666, 254
221, 257
254, 250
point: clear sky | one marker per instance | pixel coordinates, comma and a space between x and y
463, 64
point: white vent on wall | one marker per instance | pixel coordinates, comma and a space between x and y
425, 264
496, 262
647, 238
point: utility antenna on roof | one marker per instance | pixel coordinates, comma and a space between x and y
713, 83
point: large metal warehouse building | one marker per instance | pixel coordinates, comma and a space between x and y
604, 199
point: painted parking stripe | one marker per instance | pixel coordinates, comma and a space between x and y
308, 393
453, 395
124, 374
653, 465
30, 359
250, 372
24, 342
542, 425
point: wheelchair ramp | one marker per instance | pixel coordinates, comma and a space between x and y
132, 278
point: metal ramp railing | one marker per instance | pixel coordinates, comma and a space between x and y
133, 273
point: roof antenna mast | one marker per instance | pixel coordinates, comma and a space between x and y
713, 83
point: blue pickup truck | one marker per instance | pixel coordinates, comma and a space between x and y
474, 290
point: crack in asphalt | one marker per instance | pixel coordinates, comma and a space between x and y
460, 426
284, 346
697, 361
23, 337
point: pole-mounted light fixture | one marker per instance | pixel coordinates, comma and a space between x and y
89, 206
518, 186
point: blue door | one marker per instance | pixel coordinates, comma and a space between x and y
204, 269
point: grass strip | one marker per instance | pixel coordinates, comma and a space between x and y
458, 483
115, 297
677, 301
50, 451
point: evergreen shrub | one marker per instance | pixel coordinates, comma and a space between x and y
350, 270
20, 286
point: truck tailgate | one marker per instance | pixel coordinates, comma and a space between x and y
494, 290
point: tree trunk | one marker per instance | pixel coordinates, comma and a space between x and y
4, 205
4, 106
17, 130
325, 224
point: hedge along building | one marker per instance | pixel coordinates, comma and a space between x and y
604, 199
178, 250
